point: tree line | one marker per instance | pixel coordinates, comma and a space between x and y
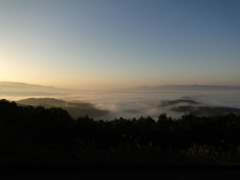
42, 135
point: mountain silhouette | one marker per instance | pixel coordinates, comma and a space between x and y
188, 88
74, 109
197, 108
23, 89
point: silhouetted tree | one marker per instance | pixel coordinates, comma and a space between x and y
28, 133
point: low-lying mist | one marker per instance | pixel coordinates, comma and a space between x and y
134, 103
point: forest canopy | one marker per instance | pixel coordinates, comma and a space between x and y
30, 133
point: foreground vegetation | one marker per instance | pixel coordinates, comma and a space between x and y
38, 135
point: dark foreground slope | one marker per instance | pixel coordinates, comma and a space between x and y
43, 143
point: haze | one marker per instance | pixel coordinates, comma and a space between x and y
91, 44
129, 103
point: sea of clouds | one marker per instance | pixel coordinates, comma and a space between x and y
136, 103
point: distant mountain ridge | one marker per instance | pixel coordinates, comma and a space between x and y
24, 89
189, 87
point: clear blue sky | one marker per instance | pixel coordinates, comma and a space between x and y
120, 43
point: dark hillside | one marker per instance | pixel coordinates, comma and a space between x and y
74, 109
37, 136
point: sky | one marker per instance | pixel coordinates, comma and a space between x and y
118, 44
